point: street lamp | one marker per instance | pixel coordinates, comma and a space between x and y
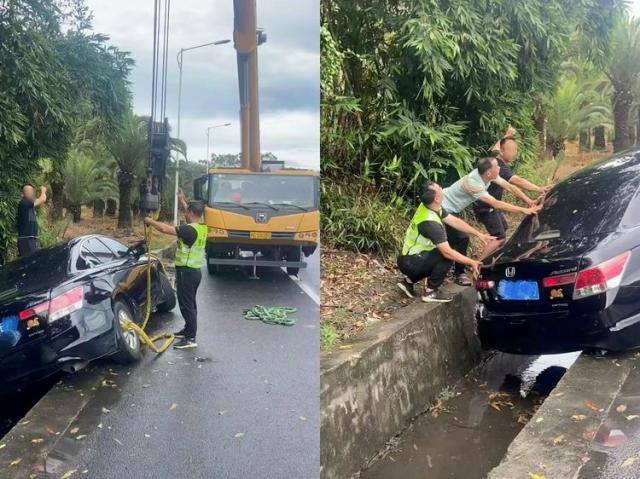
179, 59
208, 130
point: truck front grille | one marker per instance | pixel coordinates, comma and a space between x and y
274, 235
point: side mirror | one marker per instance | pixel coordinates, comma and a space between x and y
198, 187
137, 249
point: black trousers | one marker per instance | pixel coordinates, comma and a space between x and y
494, 221
459, 241
187, 282
428, 264
27, 245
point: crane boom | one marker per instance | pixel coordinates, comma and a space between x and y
246, 38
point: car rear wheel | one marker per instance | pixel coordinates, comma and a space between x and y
129, 348
293, 255
168, 295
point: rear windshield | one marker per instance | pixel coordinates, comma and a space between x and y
589, 203
41, 266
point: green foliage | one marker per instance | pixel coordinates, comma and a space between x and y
361, 219
86, 179
416, 89
328, 336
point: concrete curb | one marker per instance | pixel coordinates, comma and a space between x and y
389, 375
554, 443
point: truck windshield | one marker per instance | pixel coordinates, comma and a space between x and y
278, 191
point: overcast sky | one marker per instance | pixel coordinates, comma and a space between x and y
289, 69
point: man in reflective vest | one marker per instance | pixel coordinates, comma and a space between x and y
190, 254
426, 253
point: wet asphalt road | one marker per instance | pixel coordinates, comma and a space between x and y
244, 404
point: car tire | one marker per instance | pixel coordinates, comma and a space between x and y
128, 342
168, 295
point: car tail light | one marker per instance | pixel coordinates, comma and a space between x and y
554, 281
602, 277
58, 307
483, 284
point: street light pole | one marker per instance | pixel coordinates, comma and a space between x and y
179, 59
208, 130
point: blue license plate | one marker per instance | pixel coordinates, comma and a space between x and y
518, 290
9, 323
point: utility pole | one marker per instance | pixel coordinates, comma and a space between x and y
208, 130
179, 59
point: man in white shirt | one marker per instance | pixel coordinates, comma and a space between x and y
471, 188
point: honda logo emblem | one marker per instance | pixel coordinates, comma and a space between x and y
261, 218
510, 272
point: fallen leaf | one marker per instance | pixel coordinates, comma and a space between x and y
147, 435
81, 436
578, 417
118, 441
222, 413
74, 430
15, 462
68, 474
495, 406
621, 408
173, 406
37, 440
2, 446
632, 417
559, 439
536, 476
105, 410
239, 434
302, 418
49, 430
540, 419
630, 461
590, 405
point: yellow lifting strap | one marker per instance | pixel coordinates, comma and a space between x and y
140, 330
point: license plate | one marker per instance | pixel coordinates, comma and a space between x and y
260, 235
518, 290
9, 323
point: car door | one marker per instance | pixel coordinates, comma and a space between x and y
98, 265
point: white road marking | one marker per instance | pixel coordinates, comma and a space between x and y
315, 297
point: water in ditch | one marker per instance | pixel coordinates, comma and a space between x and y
467, 432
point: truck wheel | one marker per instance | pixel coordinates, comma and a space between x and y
128, 342
293, 255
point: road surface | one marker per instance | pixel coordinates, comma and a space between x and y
245, 403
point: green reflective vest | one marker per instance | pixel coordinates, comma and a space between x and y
414, 242
192, 257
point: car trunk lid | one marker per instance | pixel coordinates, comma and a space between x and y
529, 264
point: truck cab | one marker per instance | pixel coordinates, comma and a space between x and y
266, 218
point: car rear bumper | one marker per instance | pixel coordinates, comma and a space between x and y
555, 333
46, 356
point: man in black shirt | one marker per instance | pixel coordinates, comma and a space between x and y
426, 252
505, 151
27, 222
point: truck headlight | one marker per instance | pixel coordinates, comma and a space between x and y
306, 236
218, 233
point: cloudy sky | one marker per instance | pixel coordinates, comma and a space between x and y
289, 65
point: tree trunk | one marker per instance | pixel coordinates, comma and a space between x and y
585, 140
57, 195
599, 140
98, 208
125, 184
112, 207
76, 211
632, 135
541, 126
622, 100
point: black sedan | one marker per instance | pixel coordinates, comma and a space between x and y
61, 307
569, 278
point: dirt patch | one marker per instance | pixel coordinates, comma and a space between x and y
108, 225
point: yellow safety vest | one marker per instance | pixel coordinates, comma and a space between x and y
193, 257
414, 242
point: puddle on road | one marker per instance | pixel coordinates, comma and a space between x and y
467, 434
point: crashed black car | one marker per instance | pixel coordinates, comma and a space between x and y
569, 278
61, 307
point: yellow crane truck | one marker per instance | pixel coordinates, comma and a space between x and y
261, 214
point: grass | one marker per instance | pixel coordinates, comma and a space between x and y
328, 336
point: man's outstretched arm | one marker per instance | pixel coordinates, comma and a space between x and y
162, 227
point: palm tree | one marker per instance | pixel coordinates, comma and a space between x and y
129, 149
623, 72
577, 104
86, 179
